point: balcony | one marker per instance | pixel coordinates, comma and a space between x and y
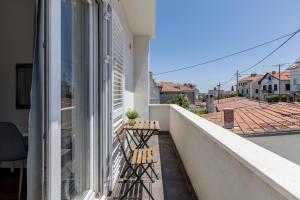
222, 165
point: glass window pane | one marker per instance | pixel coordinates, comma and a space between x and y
75, 99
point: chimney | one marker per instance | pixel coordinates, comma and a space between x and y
253, 75
228, 118
210, 103
273, 72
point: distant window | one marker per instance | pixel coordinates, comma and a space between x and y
270, 88
264, 87
287, 87
256, 91
295, 81
275, 87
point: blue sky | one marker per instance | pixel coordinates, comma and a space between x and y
192, 31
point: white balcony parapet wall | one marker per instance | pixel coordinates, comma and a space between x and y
225, 166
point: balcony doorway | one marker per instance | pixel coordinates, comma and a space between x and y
16, 58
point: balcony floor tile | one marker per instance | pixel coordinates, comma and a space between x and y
173, 181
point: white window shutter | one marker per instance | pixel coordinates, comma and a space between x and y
118, 84
117, 71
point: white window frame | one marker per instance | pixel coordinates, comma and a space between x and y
53, 116
106, 44
53, 101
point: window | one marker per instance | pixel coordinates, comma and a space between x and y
256, 91
270, 78
264, 88
295, 81
287, 87
247, 91
269, 88
242, 91
275, 87
76, 98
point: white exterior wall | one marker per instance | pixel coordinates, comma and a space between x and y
272, 82
243, 89
225, 166
286, 146
295, 74
141, 75
16, 46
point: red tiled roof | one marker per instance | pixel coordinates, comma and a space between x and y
284, 76
169, 87
251, 78
253, 117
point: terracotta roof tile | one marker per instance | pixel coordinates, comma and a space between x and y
251, 78
169, 87
253, 117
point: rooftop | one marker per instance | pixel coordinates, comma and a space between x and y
256, 118
252, 77
284, 76
170, 87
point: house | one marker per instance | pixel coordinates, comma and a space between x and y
154, 90
269, 84
249, 87
90, 64
295, 79
169, 91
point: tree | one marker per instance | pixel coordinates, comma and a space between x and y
181, 100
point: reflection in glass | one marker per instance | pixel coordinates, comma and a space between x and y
75, 101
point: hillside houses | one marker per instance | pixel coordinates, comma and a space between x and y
162, 92
270, 84
285, 83
169, 91
249, 87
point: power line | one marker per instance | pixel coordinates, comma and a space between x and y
264, 58
227, 56
268, 55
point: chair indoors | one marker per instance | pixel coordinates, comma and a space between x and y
12, 148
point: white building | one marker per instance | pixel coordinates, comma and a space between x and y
269, 84
295, 79
154, 90
249, 87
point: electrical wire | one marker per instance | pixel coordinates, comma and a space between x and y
229, 55
264, 58
269, 54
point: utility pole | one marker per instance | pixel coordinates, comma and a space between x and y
219, 86
237, 82
279, 70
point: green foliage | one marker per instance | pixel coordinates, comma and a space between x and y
273, 98
233, 94
277, 98
181, 100
199, 112
284, 98
202, 99
132, 114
